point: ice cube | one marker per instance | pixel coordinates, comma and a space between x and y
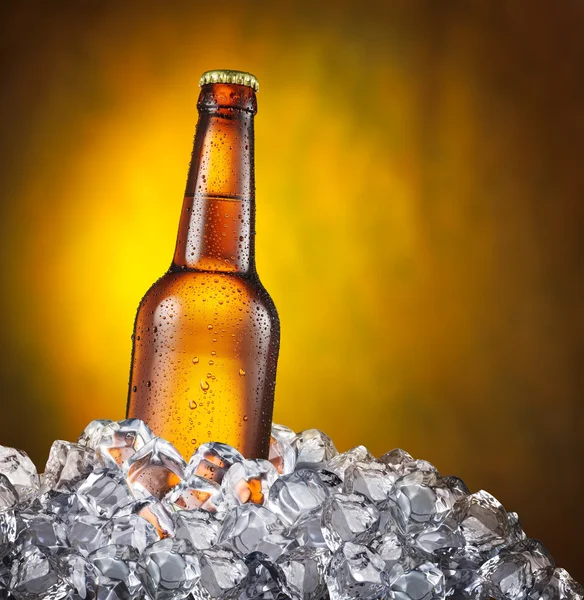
248, 481
36, 576
422, 502
118, 441
8, 493
37, 529
282, 433
87, 533
92, 433
77, 572
516, 533
292, 496
222, 570
246, 525
538, 556
308, 529
508, 576
396, 459
314, 449
195, 492
132, 530
67, 465
264, 580
355, 571
349, 518
169, 570
341, 462
212, 460
426, 543
559, 586
104, 493
282, 455
392, 550
276, 544
483, 520
197, 526
8, 530
456, 486
372, 479
155, 469
465, 584
64, 505
156, 513
304, 569
17, 466
424, 581
115, 567
332, 481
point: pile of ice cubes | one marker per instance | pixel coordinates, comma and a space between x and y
120, 515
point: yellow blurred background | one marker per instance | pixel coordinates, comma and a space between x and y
419, 216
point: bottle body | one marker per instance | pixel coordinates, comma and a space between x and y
206, 335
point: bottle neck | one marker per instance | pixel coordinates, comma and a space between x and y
217, 225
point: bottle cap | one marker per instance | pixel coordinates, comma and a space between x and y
228, 76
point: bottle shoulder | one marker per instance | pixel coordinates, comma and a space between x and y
206, 289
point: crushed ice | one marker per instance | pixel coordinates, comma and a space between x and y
120, 515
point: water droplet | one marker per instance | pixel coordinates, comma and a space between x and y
245, 417
211, 363
195, 360
192, 404
148, 383
241, 372
204, 385
135, 388
209, 327
213, 352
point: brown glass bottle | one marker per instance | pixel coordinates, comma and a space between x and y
207, 333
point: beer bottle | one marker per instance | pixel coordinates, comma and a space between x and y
207, 334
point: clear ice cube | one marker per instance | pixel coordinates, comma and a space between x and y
248, 481
104, 493
349, 518
372, 479
559, 586
341, 462
212, 460
67, 465
87, 533
199, 527
115, 567
18, 468
132, 530
169, 570
303, 569
8, 493
292, 496
422, 502
264, 580
195, 492
355, 571
155, 469
118, 441
222, 570
424, 581
36, 576
246, 525
314, 449
483, 520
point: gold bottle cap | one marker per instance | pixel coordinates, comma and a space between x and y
228, 76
